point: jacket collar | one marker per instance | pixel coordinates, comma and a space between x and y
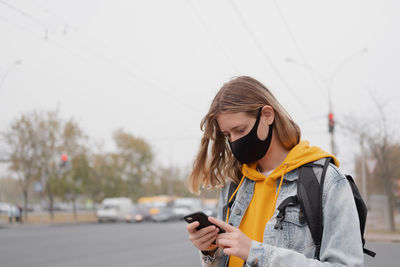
292, 175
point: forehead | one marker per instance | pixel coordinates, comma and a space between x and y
228, 120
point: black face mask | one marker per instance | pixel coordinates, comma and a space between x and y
250, 148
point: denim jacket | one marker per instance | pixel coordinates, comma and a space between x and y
293, 245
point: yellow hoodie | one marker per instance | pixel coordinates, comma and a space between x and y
262, 205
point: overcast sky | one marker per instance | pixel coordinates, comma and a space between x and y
153, 67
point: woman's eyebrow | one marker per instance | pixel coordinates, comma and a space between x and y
233, 128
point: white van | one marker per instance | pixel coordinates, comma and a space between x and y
114, 209
185, 206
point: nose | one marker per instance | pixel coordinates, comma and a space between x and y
234, 137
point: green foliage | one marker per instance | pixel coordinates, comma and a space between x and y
23, 142
36, 141
169, 181
132, 162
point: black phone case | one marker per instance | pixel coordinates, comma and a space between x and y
202, 219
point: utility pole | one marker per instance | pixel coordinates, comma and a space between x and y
363, 171
331, 127
328, 85
331, 132
171, 178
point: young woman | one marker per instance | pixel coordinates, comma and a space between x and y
251, 149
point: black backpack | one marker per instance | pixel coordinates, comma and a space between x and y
309, 196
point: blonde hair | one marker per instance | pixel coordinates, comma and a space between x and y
214, 162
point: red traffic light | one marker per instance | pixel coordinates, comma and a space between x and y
331, 122
64, 157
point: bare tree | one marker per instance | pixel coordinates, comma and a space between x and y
22, 144
74, 145
381, 145
133, 161
379, 142
49, 135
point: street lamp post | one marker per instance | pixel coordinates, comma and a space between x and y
17, 62
328, 85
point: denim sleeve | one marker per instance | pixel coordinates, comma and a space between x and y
211, 261
341, 242
215, 260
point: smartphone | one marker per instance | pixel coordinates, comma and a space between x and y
202, 219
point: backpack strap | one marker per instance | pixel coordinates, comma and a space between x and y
232, 188
362, 212
309, 196
309, 191
369, 252
321, 218
290, 201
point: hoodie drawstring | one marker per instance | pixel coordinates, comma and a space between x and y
241, 181
279, 188
233, 195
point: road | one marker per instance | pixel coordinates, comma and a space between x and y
98, 245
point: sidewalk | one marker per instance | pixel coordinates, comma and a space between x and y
44, 219
3, 223
382, 237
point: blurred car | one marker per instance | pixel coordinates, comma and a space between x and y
210, 207
138, 214
165, 214
211, 212
185, 206
181, 211
4, 208
114, 209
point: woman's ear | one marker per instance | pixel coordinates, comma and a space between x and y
268, 113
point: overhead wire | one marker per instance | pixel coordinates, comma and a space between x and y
28, 16
68, 26
22, 28
152, 86
23, 13
299, 50
170, 139
49, 42
56, 16
212, 35
266, 55
109, 59
131, 74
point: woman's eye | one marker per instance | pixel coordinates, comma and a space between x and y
240, 131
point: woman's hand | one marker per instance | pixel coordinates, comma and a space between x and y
233, 241
203, 238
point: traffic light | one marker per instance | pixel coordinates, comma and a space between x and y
331, 122
64, 160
